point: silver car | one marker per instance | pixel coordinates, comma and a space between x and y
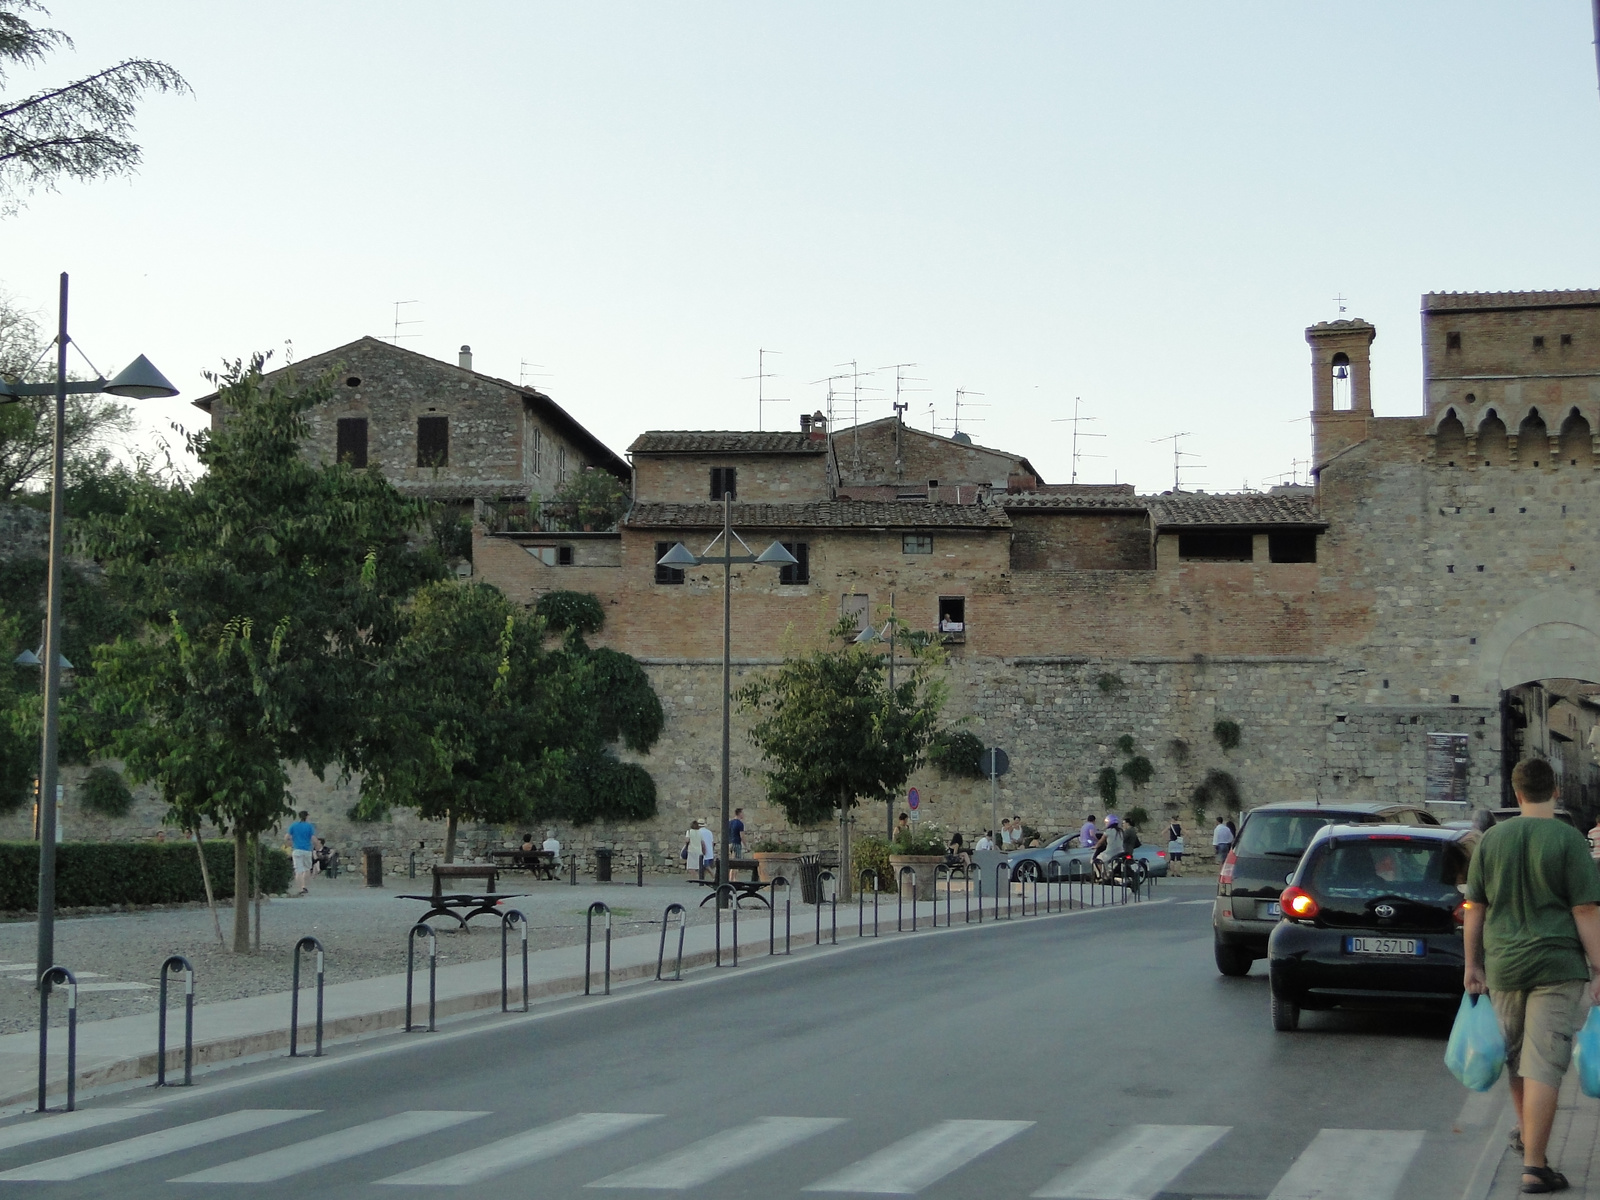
1066, 858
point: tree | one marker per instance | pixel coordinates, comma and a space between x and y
591, 499
78, 130
267, 595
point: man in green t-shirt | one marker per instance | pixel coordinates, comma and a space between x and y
1532, 931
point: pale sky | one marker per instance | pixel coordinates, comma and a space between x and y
1140, 204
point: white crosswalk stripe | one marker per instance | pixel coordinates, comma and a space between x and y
1138, 1166
59, 1124
717, 1155
1350, 1164
531, 1146
154, 1145
913, 1163
334, 1147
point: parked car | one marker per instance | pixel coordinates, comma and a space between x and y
1505, 814
1271, 841
1372, 916
1071, 860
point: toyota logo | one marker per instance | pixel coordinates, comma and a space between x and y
1385, 911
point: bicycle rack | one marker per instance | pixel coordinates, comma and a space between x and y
661, 958
53, 976
513, 916
588, 939
861, 903
949, 878
433, 971
998, 867
307, 942
733, 903
411, 866
183, 964
833, 906
772, 915
900, 899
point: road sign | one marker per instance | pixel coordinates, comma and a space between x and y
913, 798
994, 762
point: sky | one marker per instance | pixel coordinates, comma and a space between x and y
1135, 207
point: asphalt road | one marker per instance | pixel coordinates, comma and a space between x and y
1095, 1056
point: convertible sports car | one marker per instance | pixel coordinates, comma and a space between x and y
1072, 860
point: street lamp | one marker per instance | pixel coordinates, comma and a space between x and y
681, 556
889, 633
139, 380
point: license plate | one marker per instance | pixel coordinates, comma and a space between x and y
1412, 947
1274, 909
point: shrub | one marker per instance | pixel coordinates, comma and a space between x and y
1106, 783
773, 846
1126, 744
872, 854
97, 874
1136, 816
1217, 790
1109, 682
1226, 732
104, 791
575, 611
1137, 770
1178, 748
955, 754
919, 839
591, 499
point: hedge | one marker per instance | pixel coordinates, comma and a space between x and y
98, 874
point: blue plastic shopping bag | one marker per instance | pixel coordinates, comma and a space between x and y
1586, 1054
1476, 1053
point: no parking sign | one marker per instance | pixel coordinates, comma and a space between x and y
913, 801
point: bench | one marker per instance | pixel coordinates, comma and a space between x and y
475, 904
742, 889
542, 863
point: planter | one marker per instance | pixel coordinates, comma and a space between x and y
775, 863
926, 866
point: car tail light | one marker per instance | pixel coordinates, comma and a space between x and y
1298, 904
1225, 876
1460, 913
1161, 853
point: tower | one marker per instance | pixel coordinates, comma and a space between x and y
1341, 384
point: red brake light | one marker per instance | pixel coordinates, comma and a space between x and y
1460, 913
1298, 904
1225, 876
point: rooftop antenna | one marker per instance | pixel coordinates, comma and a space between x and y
397, 335
832, 394
761, 376
527, 371
1178, 455
961, 394
1076, 420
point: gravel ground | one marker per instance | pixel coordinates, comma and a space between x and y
116, 957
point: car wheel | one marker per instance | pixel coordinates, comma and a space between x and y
1231, 960
1027, 870
1285, 1014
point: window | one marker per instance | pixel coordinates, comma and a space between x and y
916, 543
1538, 341
1292, 546
1452, 341
536, 450
564, 556
801, 571
1566, 339
952, 614
352, 446
433, 441
854, 609
561, 465
724, 479
1343, 391
666, 574
1215, 547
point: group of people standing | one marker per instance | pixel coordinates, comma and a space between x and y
699, 853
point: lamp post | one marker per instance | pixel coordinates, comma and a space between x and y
139, 380
891, 634
681, 556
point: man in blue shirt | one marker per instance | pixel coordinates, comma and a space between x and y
736, 835
299, 839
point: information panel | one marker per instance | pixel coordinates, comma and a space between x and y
1446, 781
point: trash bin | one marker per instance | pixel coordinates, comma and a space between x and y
372, 861
602, 864
810, 869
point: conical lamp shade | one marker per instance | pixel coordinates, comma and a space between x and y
140, 380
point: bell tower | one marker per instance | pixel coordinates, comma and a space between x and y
1341, 384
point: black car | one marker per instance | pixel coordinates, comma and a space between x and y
1372, 917
1271, 841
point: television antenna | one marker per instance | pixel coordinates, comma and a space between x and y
397, 335
527, 371
1077, 420
961, 394
832, 395
900, 407
1178, 455
761, 376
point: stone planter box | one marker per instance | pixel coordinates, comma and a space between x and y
775, 863
926, 865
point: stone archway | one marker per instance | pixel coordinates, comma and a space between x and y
1555, 634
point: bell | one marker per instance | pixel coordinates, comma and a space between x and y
1341, 372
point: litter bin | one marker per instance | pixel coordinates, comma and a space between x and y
602, 864
810, 869
372, 861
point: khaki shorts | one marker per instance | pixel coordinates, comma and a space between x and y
1538, 1026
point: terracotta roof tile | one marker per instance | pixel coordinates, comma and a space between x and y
1081, 497
835, 514
1193, 510
726, 441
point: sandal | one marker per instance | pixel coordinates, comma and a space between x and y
1546, 1180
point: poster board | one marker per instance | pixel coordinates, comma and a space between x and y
1445, 771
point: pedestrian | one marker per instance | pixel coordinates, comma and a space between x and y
1175, 847
693, 852
1221, 840
1089, 833
299, 843
1594, 841
902, 827
986, 842
736, 835
1007, 838
708, 846
1532, 940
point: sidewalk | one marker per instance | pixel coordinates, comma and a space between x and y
1574, 1148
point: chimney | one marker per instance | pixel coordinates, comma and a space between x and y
819, 427
805, 423
466, 358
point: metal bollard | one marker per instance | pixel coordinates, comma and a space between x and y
183, 964
588, 939
900, 900
980, 894
833, 907
53, 976
572, 869
772, 915
411, 866
661, 958
508, 918
732, 901
304, 943
861, 904
639, 862
433, 970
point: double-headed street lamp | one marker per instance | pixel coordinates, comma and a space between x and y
139, 380
681, 556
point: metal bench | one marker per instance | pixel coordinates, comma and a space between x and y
474, 904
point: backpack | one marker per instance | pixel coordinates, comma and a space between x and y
1130, 840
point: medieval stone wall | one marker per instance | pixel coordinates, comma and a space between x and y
1117, 541
761, 478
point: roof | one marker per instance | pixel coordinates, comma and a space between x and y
593, 448
1196, 510
1087, 497
964, 441
834, 514
727, 441
1493, 301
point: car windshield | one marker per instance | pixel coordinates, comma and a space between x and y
1418, 870
1285, 834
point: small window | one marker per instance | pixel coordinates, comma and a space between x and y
724, 480
853, 608
933, 483
1216, 547
1292, 546
916, 543
1452, 341
564, 556
352, 447
666, 574
1566, 339
561, 465
1538, 341
433, 441
952, 614
536, 447
800, 572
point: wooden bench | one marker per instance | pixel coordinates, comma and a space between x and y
542, 863
475, 904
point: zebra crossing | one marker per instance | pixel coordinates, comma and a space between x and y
1147, 1160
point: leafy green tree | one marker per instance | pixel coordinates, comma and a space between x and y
591, 499
267, 594
957, 754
